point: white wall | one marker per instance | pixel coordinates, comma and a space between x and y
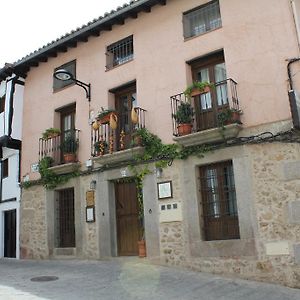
10, 189
17, 109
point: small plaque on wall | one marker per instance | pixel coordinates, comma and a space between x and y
90, 198
90, 214
165, 190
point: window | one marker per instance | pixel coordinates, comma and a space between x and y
5, 168
202, 19
220, 215
119, 52
207, 106
2, 96
71, 67
2, 104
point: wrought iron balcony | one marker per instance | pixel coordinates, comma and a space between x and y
218, 107
59, 146
105, 140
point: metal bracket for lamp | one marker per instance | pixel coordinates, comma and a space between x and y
65, 75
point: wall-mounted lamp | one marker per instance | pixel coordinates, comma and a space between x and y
65, 75
93, 184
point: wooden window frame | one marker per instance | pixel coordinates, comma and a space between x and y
59, 84
219, 223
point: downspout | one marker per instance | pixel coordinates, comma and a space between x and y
294, 102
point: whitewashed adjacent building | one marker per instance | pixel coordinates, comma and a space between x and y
11, 109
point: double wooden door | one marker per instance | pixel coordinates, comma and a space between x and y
128, 222
209, 105
125, 101
10, 233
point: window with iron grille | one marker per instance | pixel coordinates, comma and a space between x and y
202, 19
119, 53
70, 67
220, 215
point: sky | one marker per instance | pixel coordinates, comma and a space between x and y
30, 24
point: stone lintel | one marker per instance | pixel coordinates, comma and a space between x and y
208, 136
65, 168
119, 156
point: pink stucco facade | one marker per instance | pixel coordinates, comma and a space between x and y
257, 37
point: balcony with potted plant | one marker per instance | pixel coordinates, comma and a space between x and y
211, 110
114, 138
61, 148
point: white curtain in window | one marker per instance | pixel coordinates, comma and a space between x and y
213, 196
205, 99
221, 90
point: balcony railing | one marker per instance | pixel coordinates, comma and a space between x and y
110, 140
208, 107
58, 145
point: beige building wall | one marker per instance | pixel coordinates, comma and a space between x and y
257, 38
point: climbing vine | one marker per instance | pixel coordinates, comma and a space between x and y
49, 179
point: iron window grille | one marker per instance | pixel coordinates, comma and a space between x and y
119, 53
202, 19
70, 67
220, 214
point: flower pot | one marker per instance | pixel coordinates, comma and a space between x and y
235, 117
184, 129
142, 248
196, 91
137, 140
69, 157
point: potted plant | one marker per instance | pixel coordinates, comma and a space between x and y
50, 133
100, 147
141, 242
198, 88
184, 118
69, 147
104, 115
229, 116
137, 137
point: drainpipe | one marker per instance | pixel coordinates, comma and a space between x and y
294, 101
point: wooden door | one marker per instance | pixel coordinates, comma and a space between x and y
66, 219
10, 233
128, 223
125, 101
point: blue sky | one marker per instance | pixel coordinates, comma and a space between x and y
30, 24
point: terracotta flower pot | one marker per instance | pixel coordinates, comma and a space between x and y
235, 117
197, 92
142, 248
69, 157
184, 129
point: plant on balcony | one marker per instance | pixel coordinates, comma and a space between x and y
104, 115
50, 133
197, 88
137, 137
100, 147
229, 116
69, 147
184, 118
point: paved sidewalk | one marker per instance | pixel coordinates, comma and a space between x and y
125, 279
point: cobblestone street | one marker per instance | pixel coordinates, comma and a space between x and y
125, 279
